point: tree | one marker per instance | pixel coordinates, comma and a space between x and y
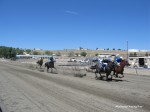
35, 53
83, 54
58, 54
77, 54
48, 53
19, 51
131, 54
28, 51
13, 53
96, 54
135, 54
113, 48
7, 52
71, 54
146, 54
107, 48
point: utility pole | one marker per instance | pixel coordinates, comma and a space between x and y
127, 51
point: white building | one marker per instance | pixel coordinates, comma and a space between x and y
33, 56
133, 50
106, 55
139, 61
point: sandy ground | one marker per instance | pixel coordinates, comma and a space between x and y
24, 89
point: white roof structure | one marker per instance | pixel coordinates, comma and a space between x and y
33, 56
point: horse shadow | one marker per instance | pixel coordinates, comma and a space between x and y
117, 80
112, 79
52, 72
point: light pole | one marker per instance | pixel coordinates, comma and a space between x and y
127, 50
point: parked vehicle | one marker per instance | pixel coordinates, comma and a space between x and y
72, 60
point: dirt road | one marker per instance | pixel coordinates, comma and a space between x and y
25, 90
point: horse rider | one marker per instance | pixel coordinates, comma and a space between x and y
99, 62
41, 59
51, 59
40, 62
118, 60
104, 64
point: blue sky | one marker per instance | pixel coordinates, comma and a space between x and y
69, 24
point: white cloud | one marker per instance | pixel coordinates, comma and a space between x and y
71, 12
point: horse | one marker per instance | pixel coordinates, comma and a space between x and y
50, 65
40, 62
101, 68
120, 69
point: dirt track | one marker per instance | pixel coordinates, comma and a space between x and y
25, 90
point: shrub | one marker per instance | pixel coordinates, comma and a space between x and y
83, 54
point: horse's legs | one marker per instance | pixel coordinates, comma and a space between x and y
47, 69
116, 74
122, 73
100, 75
55, 68
51, 70
95, 74
107, 74
111, 77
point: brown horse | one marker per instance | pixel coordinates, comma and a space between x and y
119, 69
40, 62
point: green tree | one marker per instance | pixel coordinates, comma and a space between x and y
135, 54
28, 51
35, 53
131, 55
48, 52
19, 51
71, 54
77, 54
13, 53
7, 52
96, 54
146, 54
83, 54
58, 54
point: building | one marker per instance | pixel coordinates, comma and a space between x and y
33, 56
139, 61
106, 55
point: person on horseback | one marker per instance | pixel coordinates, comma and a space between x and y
105, 64
40, 62
99, 63
50, 64
117, 65
118, 60
51, 61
